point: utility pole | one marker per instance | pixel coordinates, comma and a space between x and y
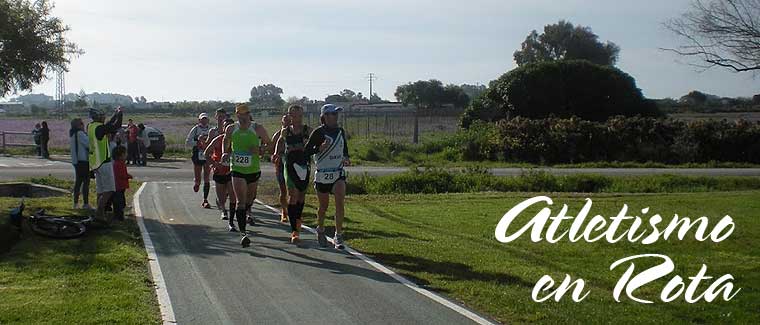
371, 77
60, 87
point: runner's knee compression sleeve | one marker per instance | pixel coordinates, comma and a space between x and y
206, 189
240, 214
293, 213
232, 215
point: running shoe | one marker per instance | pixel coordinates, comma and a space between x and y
196, 187
205, 205
245, 241
224, 215
321, 238
294, 237
87, 207
339, 241
284, 217
250, 220
231, 228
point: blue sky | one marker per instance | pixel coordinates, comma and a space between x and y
196, 50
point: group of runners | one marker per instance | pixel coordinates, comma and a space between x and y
230, 153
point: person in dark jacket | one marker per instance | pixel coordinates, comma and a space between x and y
44, 139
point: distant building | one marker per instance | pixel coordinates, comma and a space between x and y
15, 108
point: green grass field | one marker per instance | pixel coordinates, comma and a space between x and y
96, 279
446, 242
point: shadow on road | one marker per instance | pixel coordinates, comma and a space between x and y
270, 242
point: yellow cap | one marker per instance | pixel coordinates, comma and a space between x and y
242, 109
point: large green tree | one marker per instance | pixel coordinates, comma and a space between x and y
32, 44
563, 41
267, 96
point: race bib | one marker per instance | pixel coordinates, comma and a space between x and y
243, 159
200, 156
328, 176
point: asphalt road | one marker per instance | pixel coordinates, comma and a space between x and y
212, 280
12, 168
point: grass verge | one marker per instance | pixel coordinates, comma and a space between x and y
100, 278
445, 242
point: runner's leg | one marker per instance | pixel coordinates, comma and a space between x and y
240, 188
206, 183
196, 177
340, 196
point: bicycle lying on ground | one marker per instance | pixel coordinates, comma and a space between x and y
51, 226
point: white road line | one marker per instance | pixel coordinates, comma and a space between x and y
164, 303
382, 268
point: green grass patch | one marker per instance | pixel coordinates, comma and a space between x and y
436, 180
99, 278
446, 242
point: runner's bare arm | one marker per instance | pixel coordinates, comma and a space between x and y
226, 145
262, 133
210, 148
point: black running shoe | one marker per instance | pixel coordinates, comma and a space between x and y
231, 228
251, 222
321, 238
245, 241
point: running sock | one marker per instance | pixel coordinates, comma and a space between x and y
300, 210
293, 213
206, 189
241, 220
231, 216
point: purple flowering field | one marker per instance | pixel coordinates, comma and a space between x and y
174, 129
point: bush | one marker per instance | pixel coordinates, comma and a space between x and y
561, 89
628, 139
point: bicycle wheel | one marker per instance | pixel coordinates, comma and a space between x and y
57, 227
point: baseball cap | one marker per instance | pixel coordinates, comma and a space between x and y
202, 116
221, 110
330, 108
242, 109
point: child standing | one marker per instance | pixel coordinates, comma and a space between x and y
122, 182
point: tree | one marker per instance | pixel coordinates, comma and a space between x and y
375, 99
267, 96
81, 100
563, 41
473, 91
32, 44
348, 94
429, 95
561, 89
332, 99
720, 33
694, 97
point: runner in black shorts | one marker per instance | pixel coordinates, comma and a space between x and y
222, 176
244, 142
194, 139
293, 138
328, 145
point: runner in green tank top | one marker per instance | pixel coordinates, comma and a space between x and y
244, 143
